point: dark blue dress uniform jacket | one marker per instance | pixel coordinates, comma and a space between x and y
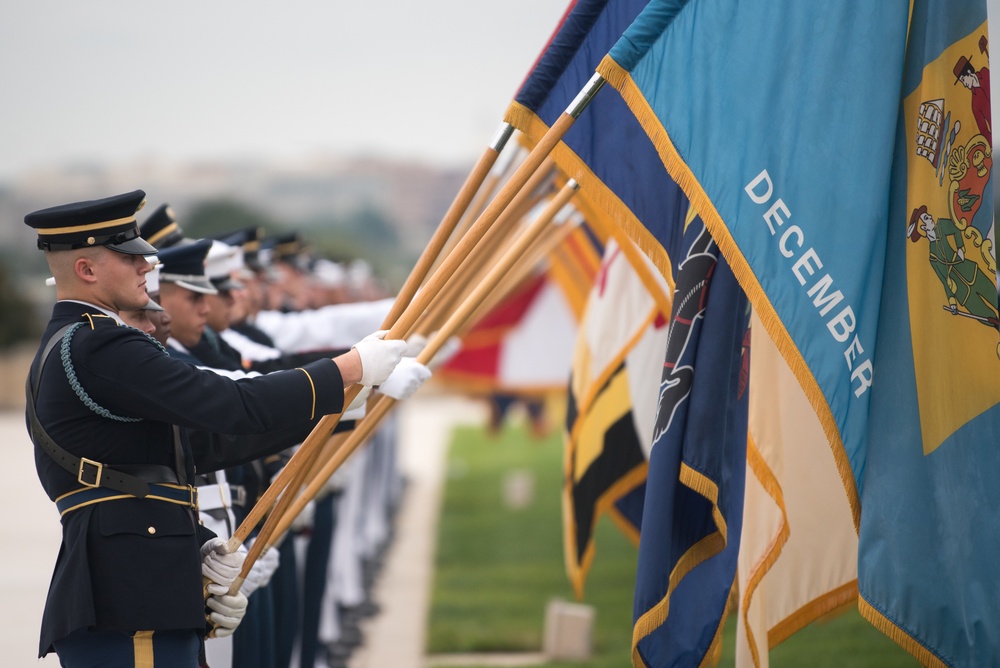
135, 564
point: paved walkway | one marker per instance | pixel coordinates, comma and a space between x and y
30, 545
395, 637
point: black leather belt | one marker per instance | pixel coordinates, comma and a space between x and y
128, 479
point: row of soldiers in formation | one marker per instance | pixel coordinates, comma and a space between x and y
175, 398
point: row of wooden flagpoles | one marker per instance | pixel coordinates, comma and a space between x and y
469, 263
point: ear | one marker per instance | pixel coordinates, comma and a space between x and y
84, 269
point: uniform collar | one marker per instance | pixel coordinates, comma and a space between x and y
110, 314
177, 345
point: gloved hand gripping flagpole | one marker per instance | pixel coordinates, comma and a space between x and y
455, 282
325, 428
380, 406
411, 312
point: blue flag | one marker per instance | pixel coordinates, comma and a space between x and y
693, 513
805, 161
927, 567
849, 190
622, 184
625, 193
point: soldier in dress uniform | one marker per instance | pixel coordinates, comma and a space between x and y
127, 587
161, 229
301, 579
253, 294
222, 493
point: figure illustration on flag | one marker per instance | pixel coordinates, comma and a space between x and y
967, 285
951, 280
978, 83
953, 188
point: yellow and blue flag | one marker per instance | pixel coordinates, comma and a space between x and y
840, 154
611, 403
927, 568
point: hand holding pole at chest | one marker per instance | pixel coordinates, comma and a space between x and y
427, 259
372, 363
421, 301
380, 405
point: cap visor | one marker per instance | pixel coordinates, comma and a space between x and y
227, 284
204, 287
137, 246
152, 306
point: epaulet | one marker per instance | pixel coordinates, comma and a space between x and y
90, 318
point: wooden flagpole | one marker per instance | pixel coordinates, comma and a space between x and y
475, 209
288, 495
471, 276
422, 299
380, 406
448, 224
326, 425
549, 241
461, 281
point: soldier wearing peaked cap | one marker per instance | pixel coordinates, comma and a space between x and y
187, 294
285, 247
127, 584
249, 239
287, 286
161, 229
183, 289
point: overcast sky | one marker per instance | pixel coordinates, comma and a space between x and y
114, 80
109, 80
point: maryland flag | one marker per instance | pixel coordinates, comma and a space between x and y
612, 402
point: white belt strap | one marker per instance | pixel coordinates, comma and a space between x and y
218, 495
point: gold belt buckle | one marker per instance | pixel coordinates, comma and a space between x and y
97, 476
194, 496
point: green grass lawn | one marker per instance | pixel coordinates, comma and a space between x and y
498, 567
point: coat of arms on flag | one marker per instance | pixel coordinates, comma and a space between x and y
951, 257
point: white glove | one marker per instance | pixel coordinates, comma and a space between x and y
261, 571
219, 565
405, 379
414, 345
304, 519
448, 349
227, 612
355, 413
378, 357
359, 401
